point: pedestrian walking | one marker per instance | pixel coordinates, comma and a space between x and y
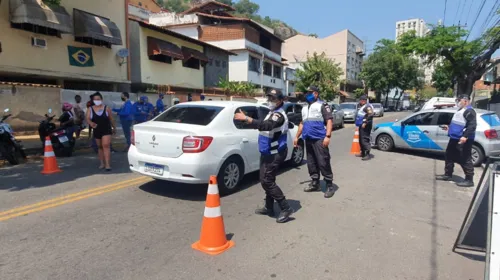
126, 116
364, 122
79, 116
100, 118
273, 149
316, 130
462, 131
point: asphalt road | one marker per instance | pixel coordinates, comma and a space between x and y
389, 220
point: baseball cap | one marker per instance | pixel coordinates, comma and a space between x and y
313, 88
275, 93
466, 97
363, 97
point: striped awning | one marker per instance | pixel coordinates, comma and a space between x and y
192, 53
37, 13
157, 47
96, 27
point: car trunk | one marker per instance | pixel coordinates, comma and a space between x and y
162, 139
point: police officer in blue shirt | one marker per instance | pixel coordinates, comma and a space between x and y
316, 129
273, 148
461, 131
142, 109
364, 122
126, 115
160, 107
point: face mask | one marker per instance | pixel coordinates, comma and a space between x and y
97, 102
272, 105
460, 105
310, 97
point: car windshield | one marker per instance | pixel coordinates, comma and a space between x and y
196, 115
348, 106
376, 106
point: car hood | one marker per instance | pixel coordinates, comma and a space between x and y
348, 110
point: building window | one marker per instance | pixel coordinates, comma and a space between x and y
265, 41
268, 69
217, 63
277, 72
254, 64
161, 58
224, 64
192, 63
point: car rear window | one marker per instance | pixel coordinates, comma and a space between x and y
491, 119
196, 115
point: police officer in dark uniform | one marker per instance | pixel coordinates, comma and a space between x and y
273, 148
461, 131
316, 130
364, 122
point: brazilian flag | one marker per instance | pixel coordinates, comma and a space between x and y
80, 57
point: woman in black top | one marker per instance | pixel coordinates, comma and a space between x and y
100, 118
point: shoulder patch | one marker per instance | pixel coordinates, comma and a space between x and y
327, 108
276, 116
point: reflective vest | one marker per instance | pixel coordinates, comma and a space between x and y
274, 141
313, 122
361, 114
457, 125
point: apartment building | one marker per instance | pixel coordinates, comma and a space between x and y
343, 47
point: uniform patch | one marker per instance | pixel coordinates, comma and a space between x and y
369, 110
275, 117
328, 108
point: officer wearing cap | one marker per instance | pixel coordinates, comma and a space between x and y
364, 122
461, 131
316, 130
273, 148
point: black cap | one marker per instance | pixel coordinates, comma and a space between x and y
466, 97
363, 97
276, 94
313, 88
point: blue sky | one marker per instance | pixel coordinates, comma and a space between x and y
371, 20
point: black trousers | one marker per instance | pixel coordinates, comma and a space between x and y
269, 166
461, 154
318, 160
364, 139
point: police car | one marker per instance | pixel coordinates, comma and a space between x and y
422, 131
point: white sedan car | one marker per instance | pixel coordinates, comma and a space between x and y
191, 141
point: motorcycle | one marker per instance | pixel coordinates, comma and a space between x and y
62, 143
10, 148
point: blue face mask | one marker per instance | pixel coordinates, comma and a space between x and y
310, 97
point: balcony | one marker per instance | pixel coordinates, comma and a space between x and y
360, 51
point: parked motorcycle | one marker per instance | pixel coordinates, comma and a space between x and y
10, 148
63, 143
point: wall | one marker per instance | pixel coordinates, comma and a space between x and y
253, 35
238, 67
190, 31
19, 56
174, 74
222, 32
214, 73
135, 51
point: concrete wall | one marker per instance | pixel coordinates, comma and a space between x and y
19, 56
217, 68
238, 67
135, 51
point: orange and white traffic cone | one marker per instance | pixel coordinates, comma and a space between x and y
49, 159
355, 148
213, 239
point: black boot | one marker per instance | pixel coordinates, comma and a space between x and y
330, 190
312, 187
366, 156
268, 209
444, 177
286, 212
467, 183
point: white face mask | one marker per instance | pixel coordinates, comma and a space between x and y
98, 102
272, 105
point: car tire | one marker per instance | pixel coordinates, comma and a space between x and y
385, 142
298, 154
230, 175
478, 156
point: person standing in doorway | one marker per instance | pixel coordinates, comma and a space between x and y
316, 130
100, 118
364, 122
462, 131
126, 116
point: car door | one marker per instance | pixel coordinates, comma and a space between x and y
440, 136
416, 131
249, 144
338, 114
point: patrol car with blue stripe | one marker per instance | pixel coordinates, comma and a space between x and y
422, 131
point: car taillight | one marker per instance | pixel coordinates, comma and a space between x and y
132, 137
491, 134
196, 144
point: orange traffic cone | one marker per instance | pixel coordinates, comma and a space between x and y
355, 149
213, 239
49, 159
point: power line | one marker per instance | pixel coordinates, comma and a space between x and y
475, 20
468, 13
458, 9
491, 15
444, 15
463, 9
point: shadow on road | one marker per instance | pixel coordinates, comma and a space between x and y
28, 176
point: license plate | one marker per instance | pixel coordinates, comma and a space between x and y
63, 139
154, 169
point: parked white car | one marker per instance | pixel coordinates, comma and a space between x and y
191, 141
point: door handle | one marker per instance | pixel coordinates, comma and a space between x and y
425, 131
244, 140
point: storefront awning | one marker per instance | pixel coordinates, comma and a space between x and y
191, 53
96, 27
157, 46
37, 13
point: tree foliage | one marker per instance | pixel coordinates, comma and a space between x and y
442, 78
359, 92
52, 2
321, 71
237, 88
246, 7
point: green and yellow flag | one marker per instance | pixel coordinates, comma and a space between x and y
80, 57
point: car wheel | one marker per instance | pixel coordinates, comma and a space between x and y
385, 142
230, 175
297, 154
477, 155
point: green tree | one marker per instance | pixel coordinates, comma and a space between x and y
52, 2
468, 61
313, 35
176, 5
246, 7
227, 2
321, 71
237, 88
359, 92
442, 78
